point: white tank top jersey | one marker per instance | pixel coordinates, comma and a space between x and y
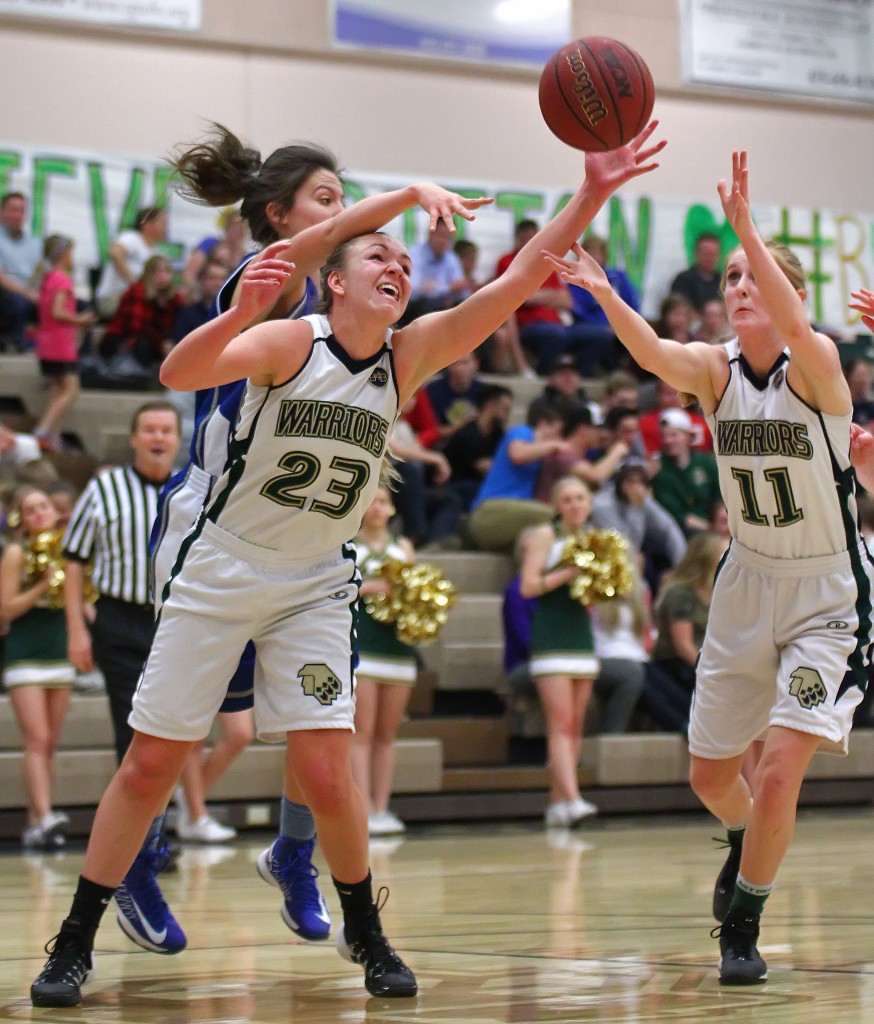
784, 467
305, 456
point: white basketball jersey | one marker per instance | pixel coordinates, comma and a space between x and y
305, 456
784, 467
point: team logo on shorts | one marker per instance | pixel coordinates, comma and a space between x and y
807, 687
317, 680
379, 377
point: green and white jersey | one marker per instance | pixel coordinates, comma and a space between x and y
370, 561
305, 456
784, 467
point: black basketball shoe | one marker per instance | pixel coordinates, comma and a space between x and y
68, 967
385, 974
740, 963
723, 891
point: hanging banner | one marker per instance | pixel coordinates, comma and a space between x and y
182, 15
92, 196
822, 48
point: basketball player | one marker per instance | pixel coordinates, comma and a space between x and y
792, 600
295, 188
270, 560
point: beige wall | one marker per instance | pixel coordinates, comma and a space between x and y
263, 67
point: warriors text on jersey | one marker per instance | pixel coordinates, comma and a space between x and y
305, 456
784, 467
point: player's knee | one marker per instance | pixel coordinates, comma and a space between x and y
708, 785
150, 765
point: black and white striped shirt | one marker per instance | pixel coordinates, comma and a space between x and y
111, 524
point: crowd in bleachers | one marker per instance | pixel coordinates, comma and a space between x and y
473, 473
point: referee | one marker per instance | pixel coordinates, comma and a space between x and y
110, 525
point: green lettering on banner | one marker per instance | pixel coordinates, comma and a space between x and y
816, 277
521, 204
9, 161
98, 210
43, 168
699, 221
633, 257
133, 202
353, 191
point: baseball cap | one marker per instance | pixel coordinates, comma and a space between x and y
677, 418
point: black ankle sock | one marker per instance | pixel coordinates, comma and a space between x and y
89, 904
356, 899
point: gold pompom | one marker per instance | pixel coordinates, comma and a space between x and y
418, 604
44, 560
603, 557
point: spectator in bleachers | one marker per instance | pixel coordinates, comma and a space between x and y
564, 381
579, 457
227, 249
454, 394
420, 415
38, 675
128, 256
718, 522
195, 313
143, 322
701, 281
677, 317
58, 338
680, 616
541, 329
599, 346
502, 352
620, 388
505, 504
622, 629
627, 505
713, 327
62, 495
428, 510
20, 255
472, 447
668, 397
622, 423
858, 375
563, 663
687, 483
437, 278
21, 459
386, 672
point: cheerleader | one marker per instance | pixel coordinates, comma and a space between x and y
38, 675
563, 663
386, 669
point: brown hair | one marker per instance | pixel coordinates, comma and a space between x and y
785, 259
696, 567
156, 405
221, 170
337, 261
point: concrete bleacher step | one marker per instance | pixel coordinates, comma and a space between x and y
472, 572
468, 665
466, 740
475, 617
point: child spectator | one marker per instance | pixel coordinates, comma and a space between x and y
143, 324
57, 338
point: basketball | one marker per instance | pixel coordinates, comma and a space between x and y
596, 94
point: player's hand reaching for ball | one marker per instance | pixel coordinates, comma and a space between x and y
263, 280
585, 271
606, 172
864, 304
736, 199
441, 204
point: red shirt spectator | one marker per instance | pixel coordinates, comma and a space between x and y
419, 413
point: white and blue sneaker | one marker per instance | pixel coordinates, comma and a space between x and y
143, 914
288, 864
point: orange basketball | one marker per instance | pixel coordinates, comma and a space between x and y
596, 94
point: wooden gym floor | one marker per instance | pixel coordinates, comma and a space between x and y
501, 923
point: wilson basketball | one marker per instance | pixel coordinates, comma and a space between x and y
596, 94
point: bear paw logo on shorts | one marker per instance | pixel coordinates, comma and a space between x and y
317, 680
379, 377
807, 687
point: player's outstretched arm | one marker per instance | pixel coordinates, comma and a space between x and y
437, 339
219, 352
685, 367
